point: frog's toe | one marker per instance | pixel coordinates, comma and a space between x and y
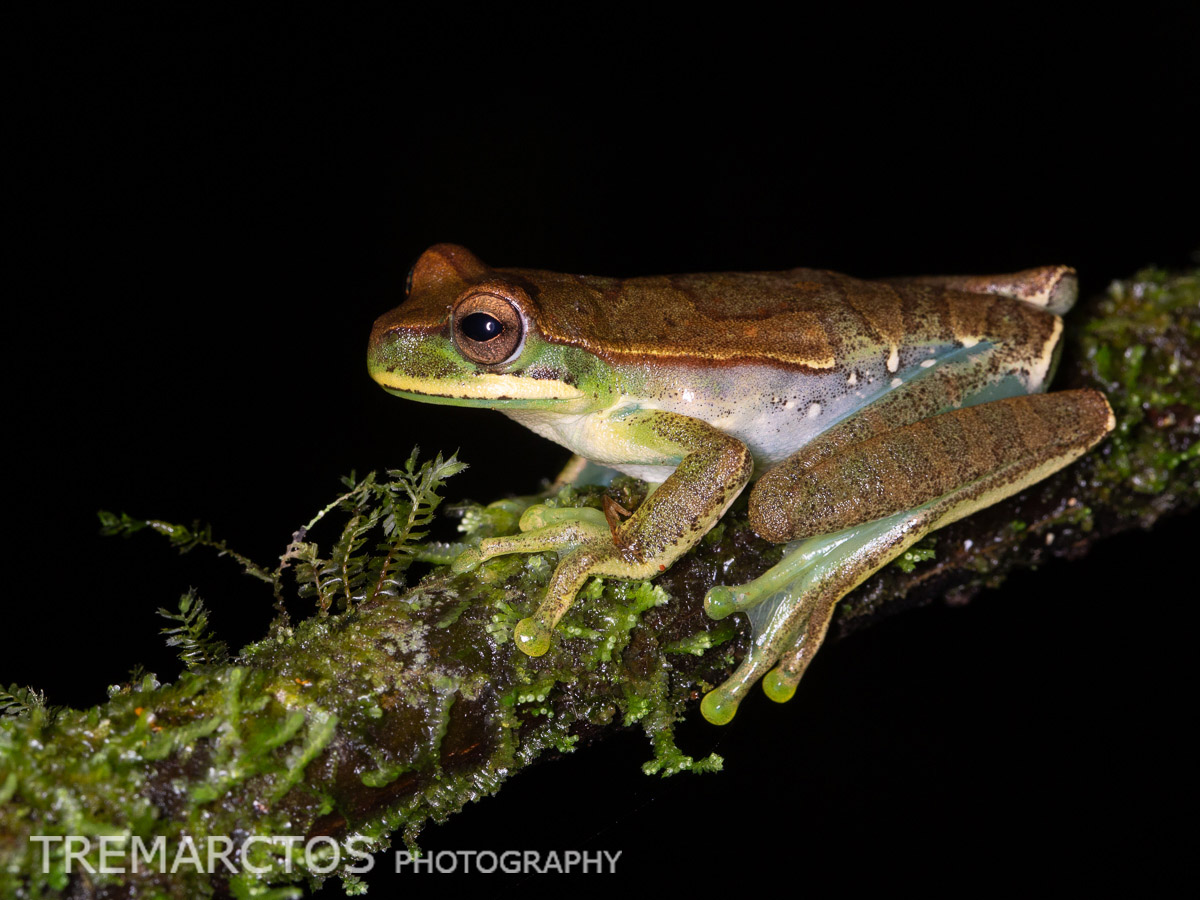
532, 637
467, 561
534, 517
720, 602
786, 632
584, 518
564, 534
723, 600
779, 686
719, 706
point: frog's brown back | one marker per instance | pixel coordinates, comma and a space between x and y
804, 319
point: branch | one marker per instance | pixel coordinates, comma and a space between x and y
408, 703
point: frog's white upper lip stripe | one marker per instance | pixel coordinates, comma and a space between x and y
485, 386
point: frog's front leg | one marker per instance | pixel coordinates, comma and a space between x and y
711, 470
873, 500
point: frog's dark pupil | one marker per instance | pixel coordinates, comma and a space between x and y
481, 327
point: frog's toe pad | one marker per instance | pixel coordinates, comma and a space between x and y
532, 637
719, 706
535, 517
467, 561
778, 686
720, 602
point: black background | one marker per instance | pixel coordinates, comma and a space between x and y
209, 215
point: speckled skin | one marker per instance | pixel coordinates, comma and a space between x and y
854, 403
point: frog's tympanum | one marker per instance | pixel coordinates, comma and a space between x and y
865, 413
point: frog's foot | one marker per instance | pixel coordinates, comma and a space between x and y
543, 528
791, 605
710, 470
592, 553
584, 543
798, 559
781, 604
613, 513
779, 656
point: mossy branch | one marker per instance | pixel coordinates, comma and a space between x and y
393, 705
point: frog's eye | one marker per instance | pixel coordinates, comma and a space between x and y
488, 329
408, 280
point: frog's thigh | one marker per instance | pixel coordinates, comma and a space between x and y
1053, 288
877, 499
919, 462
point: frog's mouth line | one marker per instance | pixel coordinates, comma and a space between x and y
484, 388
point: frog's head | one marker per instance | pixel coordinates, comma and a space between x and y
469, 335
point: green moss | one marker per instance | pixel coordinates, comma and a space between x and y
702, 641
920, 552
1140, 347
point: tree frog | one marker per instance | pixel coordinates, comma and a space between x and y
865, 414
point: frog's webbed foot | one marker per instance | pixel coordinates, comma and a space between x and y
543, 528
790, 607
585, 544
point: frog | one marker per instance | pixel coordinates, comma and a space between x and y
861, 415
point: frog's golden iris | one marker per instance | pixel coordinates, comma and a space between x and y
488, 326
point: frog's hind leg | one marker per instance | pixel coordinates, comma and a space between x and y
864, 506
1052, 288
791, 605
